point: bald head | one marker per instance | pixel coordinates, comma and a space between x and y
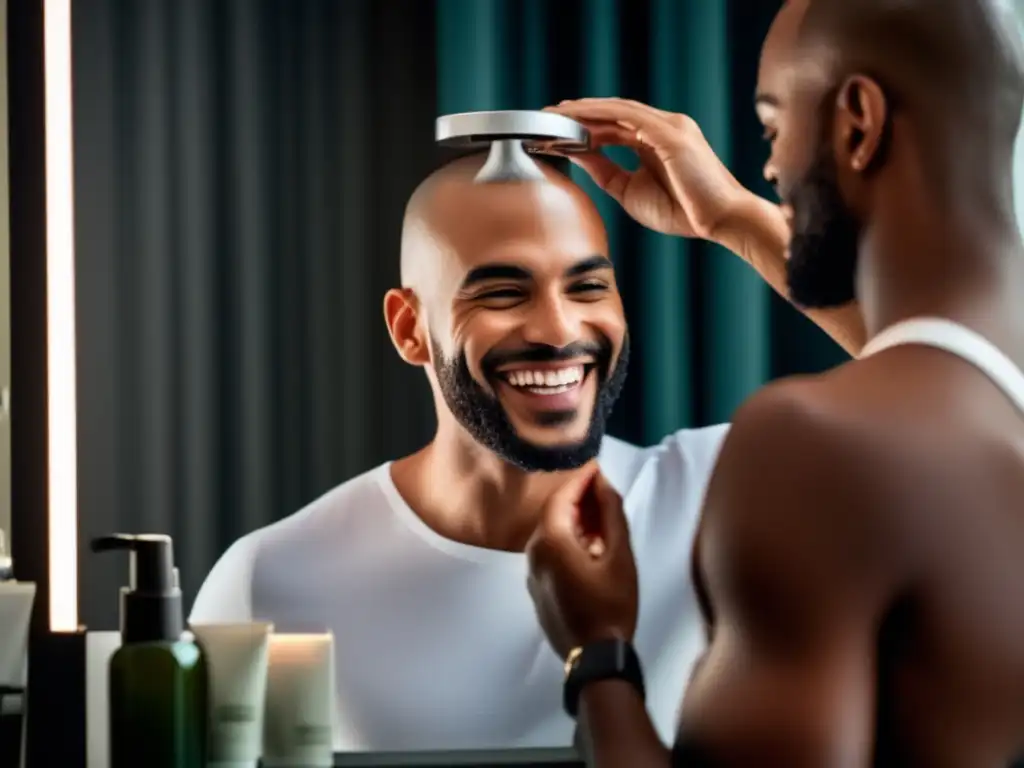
955, 65
451, 209
509, 301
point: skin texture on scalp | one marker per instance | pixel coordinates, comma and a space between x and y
437, 205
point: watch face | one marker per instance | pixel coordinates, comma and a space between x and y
609, 659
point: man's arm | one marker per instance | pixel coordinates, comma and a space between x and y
615, 730
798, 572
799, 566
757, 232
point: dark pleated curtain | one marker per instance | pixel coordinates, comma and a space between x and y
241, 171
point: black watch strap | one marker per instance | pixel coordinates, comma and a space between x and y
611, 659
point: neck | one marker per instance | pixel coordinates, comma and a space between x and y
957, 263
468, 494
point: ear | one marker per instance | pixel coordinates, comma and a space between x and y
861, 122
401, 313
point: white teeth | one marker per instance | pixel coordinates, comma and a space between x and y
550, 390
548, 381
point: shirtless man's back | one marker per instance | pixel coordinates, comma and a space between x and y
860, 558
896, 584
949, 652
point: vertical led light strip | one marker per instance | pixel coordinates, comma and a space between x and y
60, 319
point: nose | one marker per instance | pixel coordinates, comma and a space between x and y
552, 321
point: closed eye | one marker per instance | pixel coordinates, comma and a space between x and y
510, 295
501, 293
588, 286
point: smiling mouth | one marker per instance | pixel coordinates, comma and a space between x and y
547, 381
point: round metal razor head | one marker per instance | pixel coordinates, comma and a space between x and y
538, 131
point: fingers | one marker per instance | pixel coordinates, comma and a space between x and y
562, 525
600, 515
584, 516
651, 126
605, 134
612, 518
574, 488
602, 134
610, 108
560, 520
606, 173
595, 546
593, 513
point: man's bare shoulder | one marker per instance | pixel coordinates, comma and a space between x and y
816, 473
895, 401
871, 451
837, 424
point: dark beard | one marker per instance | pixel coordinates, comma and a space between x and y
482, 415
821, 272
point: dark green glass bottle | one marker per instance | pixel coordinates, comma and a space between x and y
157, 680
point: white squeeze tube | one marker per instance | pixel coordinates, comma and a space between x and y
236, 661
300, 701
16, 601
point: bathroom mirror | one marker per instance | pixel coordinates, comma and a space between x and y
197, 320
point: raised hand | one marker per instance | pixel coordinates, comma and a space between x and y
583, 578
681, 187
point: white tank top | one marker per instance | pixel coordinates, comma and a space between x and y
957, 340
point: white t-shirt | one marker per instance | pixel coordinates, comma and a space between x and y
437, 643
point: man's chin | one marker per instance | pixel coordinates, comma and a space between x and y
558, 444
535, 457
552, 431
538, 448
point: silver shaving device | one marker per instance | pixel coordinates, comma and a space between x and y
513, 135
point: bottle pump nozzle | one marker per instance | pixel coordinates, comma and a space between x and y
151, 603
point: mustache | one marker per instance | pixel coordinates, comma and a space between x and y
544, 353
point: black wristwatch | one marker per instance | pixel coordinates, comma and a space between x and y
611, 659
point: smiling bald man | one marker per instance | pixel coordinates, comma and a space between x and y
509, 305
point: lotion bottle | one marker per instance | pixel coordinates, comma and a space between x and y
157, 690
